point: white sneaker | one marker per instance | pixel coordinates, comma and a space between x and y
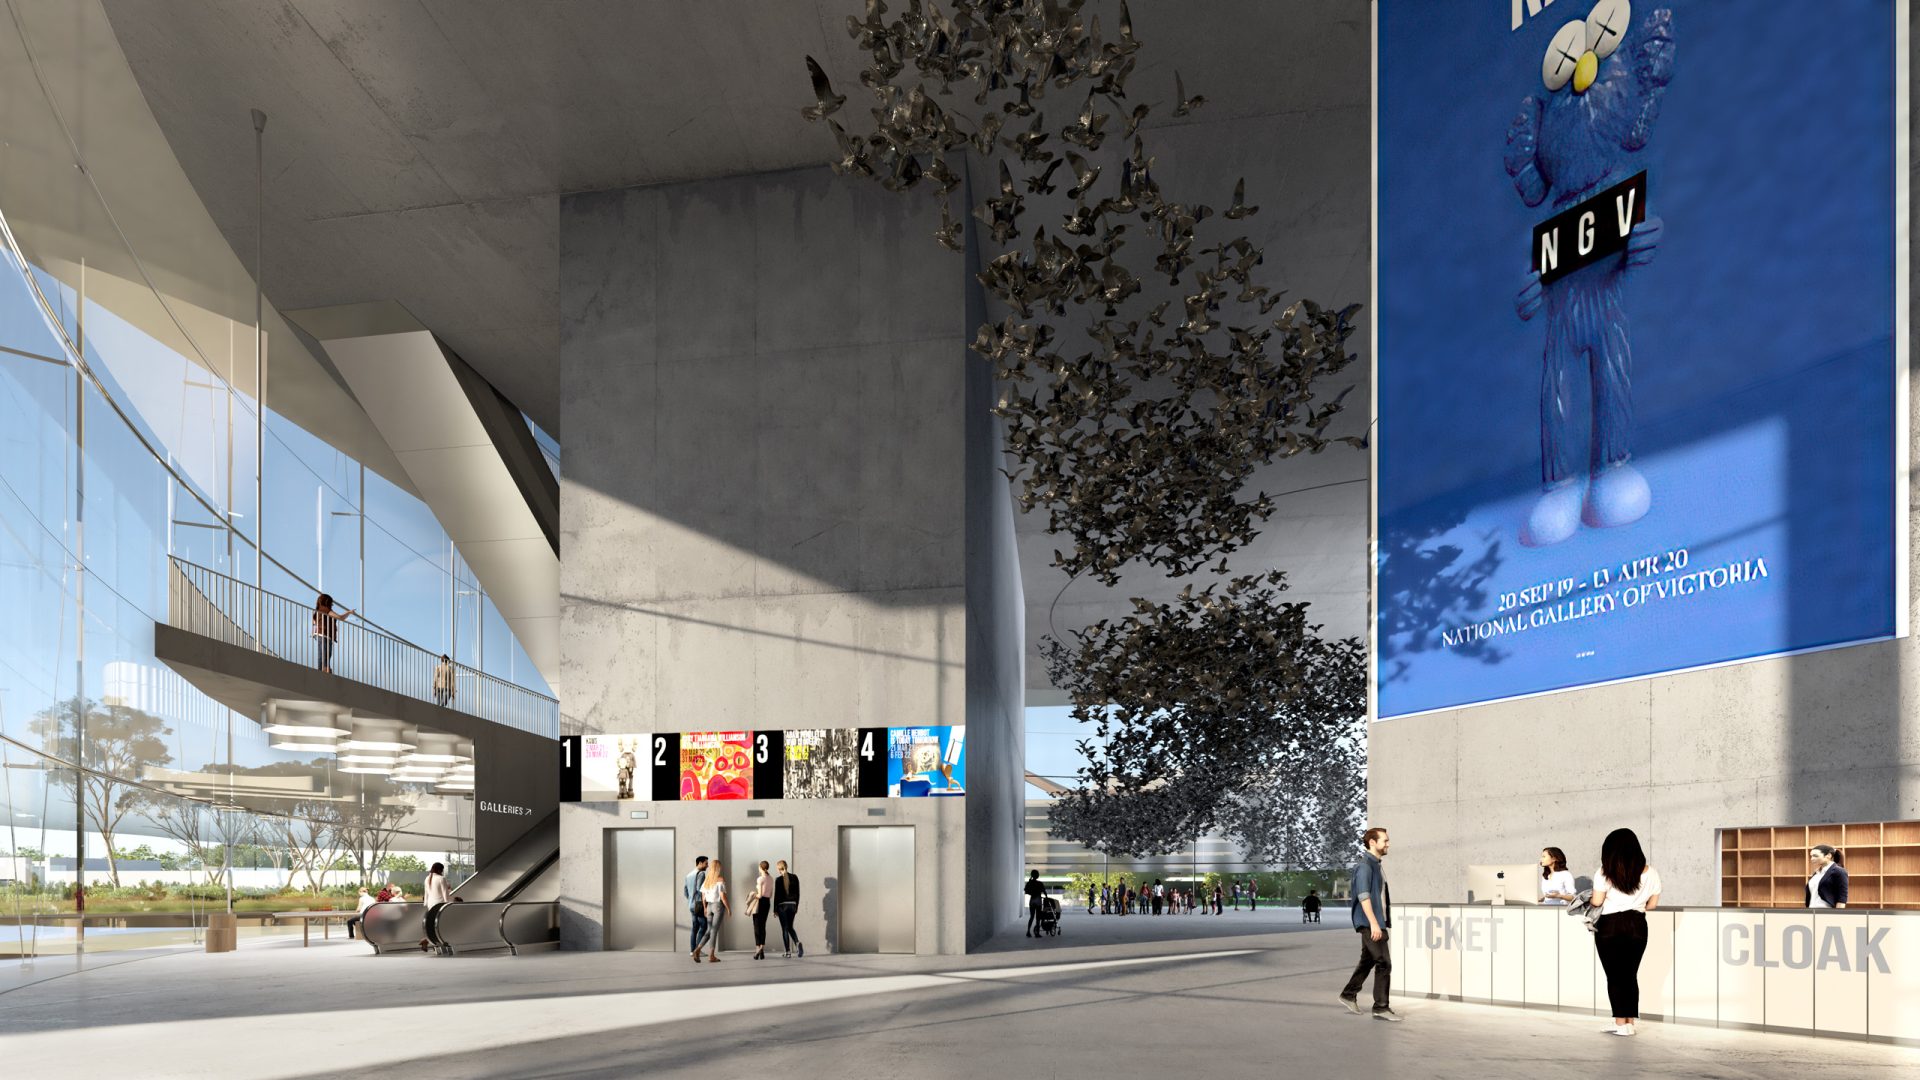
1624, 1029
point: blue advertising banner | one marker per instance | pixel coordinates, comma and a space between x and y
1639, 338
925, 761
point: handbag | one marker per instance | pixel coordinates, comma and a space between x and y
753, 903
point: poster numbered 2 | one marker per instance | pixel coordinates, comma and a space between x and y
870, 760
663, 759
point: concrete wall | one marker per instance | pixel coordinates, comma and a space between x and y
766, 517
1819, 738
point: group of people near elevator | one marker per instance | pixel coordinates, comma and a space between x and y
710, 900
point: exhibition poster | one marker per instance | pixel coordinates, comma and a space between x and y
610, 768
1638, 339
925, 761
805, 763
715, 765
820, 763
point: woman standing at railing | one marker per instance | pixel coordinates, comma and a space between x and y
326, 629
443, 689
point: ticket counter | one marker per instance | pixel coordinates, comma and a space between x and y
1852, 973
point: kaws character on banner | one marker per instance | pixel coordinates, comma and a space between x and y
1604, 84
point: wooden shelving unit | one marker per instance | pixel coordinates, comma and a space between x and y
1767, 866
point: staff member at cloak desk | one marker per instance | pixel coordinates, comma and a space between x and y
1827, 888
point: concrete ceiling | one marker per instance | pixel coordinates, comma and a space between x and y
417, 148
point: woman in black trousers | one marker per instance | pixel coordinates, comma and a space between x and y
1625, 888
762, 901
786, 903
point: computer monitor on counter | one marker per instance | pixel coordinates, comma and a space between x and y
1518, 883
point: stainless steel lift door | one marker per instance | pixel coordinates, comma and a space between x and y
741, 850
643, 889
876, 889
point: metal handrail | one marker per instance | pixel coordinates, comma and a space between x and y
553, 908
206, 602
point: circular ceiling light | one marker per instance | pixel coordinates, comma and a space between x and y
389, 760
377, 770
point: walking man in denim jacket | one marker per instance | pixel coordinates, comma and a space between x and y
696, 906
1372, 918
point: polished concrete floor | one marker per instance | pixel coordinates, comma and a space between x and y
1234, 996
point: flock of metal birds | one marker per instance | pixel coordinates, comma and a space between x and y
1195, 704
1139, 439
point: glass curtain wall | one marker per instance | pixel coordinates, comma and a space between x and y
128, 416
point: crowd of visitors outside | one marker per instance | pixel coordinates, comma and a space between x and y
1210, 896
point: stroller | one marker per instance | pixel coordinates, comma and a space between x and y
1049, 916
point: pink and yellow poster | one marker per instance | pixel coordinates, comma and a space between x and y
715, 765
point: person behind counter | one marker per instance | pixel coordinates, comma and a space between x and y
1556, 883
1827, 888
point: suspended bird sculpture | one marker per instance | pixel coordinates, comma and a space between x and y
1139, 447
828, 102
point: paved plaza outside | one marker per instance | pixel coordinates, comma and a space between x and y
1232, 996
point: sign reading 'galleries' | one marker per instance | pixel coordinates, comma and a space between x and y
1639, 338
807, 763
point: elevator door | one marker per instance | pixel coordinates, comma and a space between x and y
643, 891
741, 850
876, 889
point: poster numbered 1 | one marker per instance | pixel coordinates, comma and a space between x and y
570, 768
870, 759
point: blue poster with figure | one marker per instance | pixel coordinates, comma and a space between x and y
926, 761
1639, 338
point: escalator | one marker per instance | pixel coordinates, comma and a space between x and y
511, 903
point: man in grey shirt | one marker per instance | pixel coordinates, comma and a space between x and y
1372, 918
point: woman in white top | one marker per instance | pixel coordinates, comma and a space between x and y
1556, 884
434, 891
1625, 888
759, 906
714, 892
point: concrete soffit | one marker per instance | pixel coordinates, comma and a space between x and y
455, 437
